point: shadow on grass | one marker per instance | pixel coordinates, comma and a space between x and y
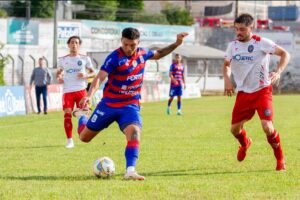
55, 178
191, 172
32, 147
174, 173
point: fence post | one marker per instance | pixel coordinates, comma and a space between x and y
13, 69
22, 69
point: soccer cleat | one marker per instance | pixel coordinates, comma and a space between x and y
280, 165
133, 176
70, 144
168, 111
179, 113
242, 150
79, 112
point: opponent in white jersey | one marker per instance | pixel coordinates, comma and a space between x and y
250, 63
74, 67
247, 58
73, 71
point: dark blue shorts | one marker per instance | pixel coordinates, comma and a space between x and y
175, 91
104, 115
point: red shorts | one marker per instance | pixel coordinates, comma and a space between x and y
247, 103
70, 98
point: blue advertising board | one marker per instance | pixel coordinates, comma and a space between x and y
12, 101
21, 31
149, 32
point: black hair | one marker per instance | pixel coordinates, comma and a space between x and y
131, 33
76, 37
244, 18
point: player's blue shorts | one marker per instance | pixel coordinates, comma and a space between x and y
104, 115
175, 91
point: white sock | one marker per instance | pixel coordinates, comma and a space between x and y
70, 139
179, 110
130, 169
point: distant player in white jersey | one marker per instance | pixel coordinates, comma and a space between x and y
73, 71
247, 58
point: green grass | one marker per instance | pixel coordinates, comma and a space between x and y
183, 157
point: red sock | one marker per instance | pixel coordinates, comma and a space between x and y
242, 137
274, 141
68, 124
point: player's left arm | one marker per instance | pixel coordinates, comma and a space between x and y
168, 49
284, 60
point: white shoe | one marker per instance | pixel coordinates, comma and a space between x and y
133, 175
79, 112
70, 144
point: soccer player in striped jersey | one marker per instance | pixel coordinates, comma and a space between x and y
124, 68
73, 70
177, 82
247, 58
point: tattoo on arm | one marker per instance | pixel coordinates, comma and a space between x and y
166, 50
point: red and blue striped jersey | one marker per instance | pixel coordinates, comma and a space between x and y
125, 77
177, 70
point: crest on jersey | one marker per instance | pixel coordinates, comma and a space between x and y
267, 112
134, 63
250, 48
79, 62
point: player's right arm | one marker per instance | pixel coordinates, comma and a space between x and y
101, 76
228, 87
59, 72
173, 80
59, 75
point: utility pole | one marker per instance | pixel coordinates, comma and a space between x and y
236, 9
55, 34
28, 9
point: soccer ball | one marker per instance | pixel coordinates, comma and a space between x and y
104, 167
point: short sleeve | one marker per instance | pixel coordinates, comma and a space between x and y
267, 46
171, 68
228, 53
108, 65
149, 53
89, 63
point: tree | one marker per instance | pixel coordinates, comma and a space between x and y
98, 9
3, 13
151, 18
38, 8
127, 9
177, 15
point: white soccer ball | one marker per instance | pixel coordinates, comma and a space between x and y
104, 167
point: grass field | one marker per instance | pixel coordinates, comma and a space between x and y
183, 157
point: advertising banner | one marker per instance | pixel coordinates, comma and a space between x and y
22, 32
12, 101
149, 32
54, 98
66, 30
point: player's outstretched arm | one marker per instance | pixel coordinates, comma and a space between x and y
101, 76
168, 49
284, 60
